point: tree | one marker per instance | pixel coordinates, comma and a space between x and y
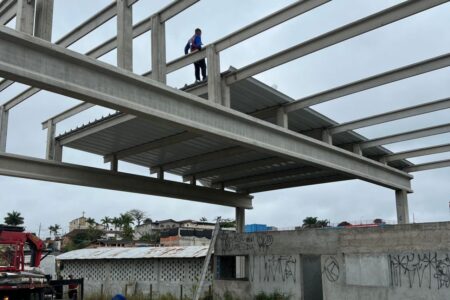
126, 220
116, 222
148, 221
106, 221
152, 238
227, 223
313, 222
91, 222
83, 238
138, 215
13, 218
344, 223
203, 219
54, 229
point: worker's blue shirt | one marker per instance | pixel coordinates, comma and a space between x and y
194, 43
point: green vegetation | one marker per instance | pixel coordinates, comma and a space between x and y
313, 222
82, 239
274, 296
54, 229
13, 218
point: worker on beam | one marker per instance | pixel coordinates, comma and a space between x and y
195, 44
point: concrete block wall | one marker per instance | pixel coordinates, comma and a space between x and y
138, 276
393, 262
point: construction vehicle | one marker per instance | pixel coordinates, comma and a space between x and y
20, 280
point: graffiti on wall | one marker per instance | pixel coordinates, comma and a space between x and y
427, 270
331, 269
245, 242
274, 268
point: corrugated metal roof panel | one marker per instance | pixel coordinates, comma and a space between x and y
135, 253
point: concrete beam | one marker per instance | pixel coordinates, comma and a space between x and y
5, 84
406, 136
214, 79
40, 169
124, 35
67, 114
20, 98
401, 200
392, 116
3, 128
174, 8
429, 166
234, 170
415, 69
8, 9
211, 156
25, 16
105, 85
44, 19
323, 178
377, 20
157, 144
416, 153
265, 176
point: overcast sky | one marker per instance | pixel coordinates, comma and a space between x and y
419, 37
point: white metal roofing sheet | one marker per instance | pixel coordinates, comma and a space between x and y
135, 253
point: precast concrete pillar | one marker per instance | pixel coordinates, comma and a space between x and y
44, 19
3, 128
214, 82
226, 94
124, 35
25, 16
240, 219
282, 118
327, 137
50, 151
158, 46
401, 199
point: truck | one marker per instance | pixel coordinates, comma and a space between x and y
18, 280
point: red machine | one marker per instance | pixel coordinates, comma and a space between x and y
18, 281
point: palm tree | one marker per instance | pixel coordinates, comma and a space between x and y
106, 221
91, 222
13, 218
203, 219
54, 229
116, 222
126, 220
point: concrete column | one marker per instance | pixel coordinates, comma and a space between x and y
326, 137
401, 199
357, 149
50, 151
240, 219
44, 19
3, 128
160, 174
282, 118
226, 94
214, 82
124, 35
114, 164
58, 151
158, 40
25, 16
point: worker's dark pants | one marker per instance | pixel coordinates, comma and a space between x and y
201, 64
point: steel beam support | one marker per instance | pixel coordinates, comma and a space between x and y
401, 200
415, 69
377, 20
234, 170
8, 9
50, 151
214, 81
429, 166
392, 116
105, 85
406, 136
124, 35
3, 127
211, 156
158, 45
152, 145
40, 169
25, 16
44, 19
240, 219
417, 152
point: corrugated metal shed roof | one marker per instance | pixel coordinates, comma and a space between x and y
135, 253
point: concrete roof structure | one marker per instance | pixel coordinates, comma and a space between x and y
135, 253
233, 134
